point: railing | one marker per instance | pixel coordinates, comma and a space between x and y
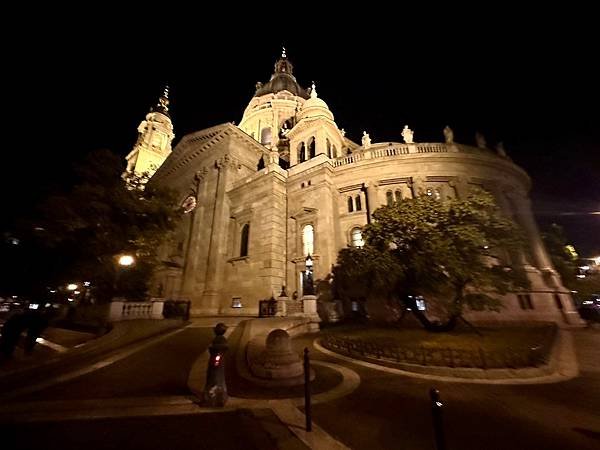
443, 357
135, 310
387, 150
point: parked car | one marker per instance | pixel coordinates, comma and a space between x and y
589, 309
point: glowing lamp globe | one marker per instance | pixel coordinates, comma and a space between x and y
126, 260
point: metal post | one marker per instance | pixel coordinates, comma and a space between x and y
436, 410
307, 408
215, 391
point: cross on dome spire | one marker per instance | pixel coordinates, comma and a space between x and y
283, 55
163, 101
313, 90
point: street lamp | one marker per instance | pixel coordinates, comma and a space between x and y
308, 288
123, 261
126, 260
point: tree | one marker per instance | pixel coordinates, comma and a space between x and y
102, 217
455, 252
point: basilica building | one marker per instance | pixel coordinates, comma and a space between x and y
269, 203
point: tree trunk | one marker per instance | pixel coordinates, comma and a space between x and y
437, 327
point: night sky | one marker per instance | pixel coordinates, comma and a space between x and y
78, 85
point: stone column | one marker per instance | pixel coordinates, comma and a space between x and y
461, 187
190, 265
216, 251
418, 186
510, 212
522, 205
370, 190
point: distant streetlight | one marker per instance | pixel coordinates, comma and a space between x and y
72, 286
126, 260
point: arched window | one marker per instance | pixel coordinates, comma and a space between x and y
244, 240
311, 148
350, 204
308, 240
265, 136
398, 195
301, 152
389, 197
358, 205
328, 148
357, 240
334, 152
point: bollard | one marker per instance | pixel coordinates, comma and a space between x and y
215, 391
307, 409
436, 410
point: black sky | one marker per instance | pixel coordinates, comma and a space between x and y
75, 85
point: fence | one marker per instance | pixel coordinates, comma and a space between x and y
443, 357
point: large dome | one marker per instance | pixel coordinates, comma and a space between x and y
315, 107
281, 80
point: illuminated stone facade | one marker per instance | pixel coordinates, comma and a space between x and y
287, 173
153, 145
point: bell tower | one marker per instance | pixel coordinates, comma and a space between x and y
153, 144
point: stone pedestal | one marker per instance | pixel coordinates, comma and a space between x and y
309, 306
282, 306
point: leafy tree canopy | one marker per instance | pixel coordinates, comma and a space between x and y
456, 251
101, 218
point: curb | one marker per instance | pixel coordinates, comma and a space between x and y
563, 366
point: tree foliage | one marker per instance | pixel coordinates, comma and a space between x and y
102, 217
455, 251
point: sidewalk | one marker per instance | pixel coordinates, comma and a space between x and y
44, 362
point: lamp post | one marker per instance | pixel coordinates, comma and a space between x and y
123, 261
308, 288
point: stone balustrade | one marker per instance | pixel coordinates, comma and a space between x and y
395, 149
120, 310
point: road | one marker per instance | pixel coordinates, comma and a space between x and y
142, 401
390, 411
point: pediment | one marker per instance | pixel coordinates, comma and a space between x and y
305, 211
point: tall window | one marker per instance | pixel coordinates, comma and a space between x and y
389, 197
311, 148
398, 195
308, 240
525, 301
350, 205
301, 152
244, 240
357, 240
265, 136
334, 151
358, 205
328, 148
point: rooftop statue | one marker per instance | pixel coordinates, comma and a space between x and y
366, 140
407, 135
500, 149
448, 135
480, 140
